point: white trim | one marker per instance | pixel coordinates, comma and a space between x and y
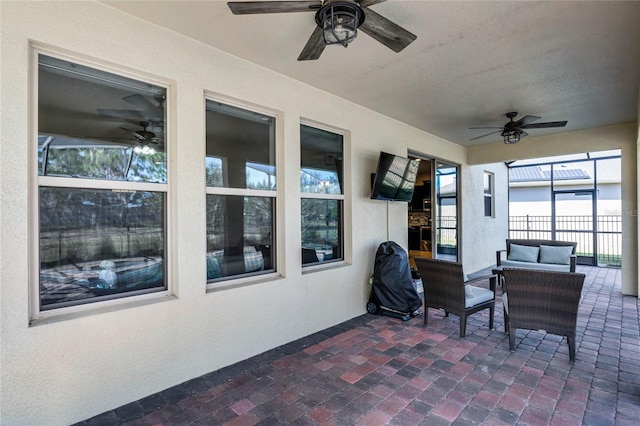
122, 70
218, 190
95, 307
322, 196
115, 185
239, 103
241, 281
326, 127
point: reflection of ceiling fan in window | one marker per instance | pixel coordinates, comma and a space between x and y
146, 142
151, 112
148, 112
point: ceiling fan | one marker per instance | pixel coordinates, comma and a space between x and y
512, 131
337, 22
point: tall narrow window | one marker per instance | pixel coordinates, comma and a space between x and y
241, 192
321, 184
488, 194
102, 185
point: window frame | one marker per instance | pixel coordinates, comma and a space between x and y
37, 181
345, 210
250, 277
490, 194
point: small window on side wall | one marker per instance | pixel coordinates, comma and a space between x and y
321, 185
102, 185
489, 194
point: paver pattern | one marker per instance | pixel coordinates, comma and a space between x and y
377, 370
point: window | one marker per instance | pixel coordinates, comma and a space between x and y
321, 184
241, 192
102, 185
488, 194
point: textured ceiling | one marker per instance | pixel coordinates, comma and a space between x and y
471, 63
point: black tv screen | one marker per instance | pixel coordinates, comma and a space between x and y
395, 178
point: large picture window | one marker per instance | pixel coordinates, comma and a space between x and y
241, 192
102, 185
321, 185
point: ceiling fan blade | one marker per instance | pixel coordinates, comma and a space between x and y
386, 32
478, 137
144, 103
314, 47
134, 134
120, 113
545, 125
252, 7
367, 3
523, 134
526, 120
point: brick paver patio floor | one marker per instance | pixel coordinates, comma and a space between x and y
375, 370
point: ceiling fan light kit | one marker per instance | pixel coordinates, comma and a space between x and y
339, 21
511, 137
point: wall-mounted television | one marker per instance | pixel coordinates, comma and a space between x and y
394, 179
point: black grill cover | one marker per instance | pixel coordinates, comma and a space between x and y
393, 288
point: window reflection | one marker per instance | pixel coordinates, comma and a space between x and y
62, 156
321, 230
319, 181
99, 243
321, 185
239, 235
102, 133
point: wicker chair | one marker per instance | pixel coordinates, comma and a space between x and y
542, 300
444, 288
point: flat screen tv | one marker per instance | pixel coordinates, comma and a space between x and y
394, 179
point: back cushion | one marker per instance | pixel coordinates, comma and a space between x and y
555, 254
523, 253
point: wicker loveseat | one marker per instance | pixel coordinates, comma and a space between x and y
546, 255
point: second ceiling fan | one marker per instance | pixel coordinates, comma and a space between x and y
512, 131
337, 22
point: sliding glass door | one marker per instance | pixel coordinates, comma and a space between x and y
446, 211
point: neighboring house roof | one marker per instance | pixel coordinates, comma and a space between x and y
534, 173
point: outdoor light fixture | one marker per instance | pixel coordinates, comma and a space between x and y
339, 21
511, 136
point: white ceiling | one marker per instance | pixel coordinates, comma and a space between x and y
471, 63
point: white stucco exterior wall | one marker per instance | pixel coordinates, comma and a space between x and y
70, 368
482, 235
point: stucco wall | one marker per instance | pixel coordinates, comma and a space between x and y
71, 368
482, 235
623, 137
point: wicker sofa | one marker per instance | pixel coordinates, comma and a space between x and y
546, 255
